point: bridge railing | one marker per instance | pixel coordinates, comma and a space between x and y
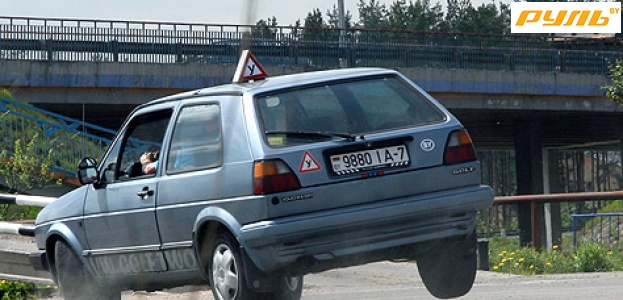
602, 228
162, 42
70, 139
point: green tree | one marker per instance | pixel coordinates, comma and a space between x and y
489, 18
372, 15
456, 14
423, 16
419, 16
614, 90
314, 19
264, 29
397, 15
314, 26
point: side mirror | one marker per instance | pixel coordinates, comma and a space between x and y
87, 171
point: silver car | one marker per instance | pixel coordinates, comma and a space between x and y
251, 185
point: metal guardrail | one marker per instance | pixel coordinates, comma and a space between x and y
536, 202
603, 228
558, 197
162, 42
69, 138
16, 228
20, 228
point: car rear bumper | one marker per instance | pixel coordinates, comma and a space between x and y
332, 234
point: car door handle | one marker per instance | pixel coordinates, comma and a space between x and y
146, 192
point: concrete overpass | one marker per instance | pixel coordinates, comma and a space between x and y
568, 109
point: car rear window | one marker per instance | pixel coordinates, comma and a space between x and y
340, 109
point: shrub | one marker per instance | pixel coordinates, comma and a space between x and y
4, 93
24, 170
13, 290
592, 257
505, 255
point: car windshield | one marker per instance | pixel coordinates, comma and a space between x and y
342, 110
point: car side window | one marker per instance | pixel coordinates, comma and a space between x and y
196, 142
140, 146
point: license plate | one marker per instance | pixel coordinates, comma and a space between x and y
354, 162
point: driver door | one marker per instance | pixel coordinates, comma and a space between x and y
120, 219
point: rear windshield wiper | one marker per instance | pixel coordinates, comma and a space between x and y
315, 134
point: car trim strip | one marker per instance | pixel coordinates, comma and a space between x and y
123, 212
121, 250
175, 245
60, 221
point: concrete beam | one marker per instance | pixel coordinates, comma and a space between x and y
189, 76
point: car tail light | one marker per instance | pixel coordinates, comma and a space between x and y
272, 176
459, 148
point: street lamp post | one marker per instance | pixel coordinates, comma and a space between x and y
342, 24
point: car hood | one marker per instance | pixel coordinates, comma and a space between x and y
67, 206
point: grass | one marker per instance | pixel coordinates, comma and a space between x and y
506, 256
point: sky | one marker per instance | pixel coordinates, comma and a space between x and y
237, 12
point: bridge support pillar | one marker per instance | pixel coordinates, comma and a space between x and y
529, 168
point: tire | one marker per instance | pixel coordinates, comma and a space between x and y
228, 281
74, 280
225, 270
448, 269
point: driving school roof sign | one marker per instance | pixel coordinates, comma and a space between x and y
248, 68
565, 17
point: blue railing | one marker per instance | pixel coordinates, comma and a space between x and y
70, 139
161, 42
603, 228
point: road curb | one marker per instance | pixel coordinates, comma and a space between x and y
16, 266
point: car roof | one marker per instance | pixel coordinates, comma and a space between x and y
276, 82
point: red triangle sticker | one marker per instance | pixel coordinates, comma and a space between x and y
309, 163
248, 68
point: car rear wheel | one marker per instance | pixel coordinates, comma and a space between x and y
225, 271
448, 268
74, 280
228, 281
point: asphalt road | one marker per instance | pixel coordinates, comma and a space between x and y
393, 281
389, 281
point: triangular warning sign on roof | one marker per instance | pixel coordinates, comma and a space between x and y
248, 68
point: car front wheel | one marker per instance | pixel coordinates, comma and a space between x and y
448, 268
74, 280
